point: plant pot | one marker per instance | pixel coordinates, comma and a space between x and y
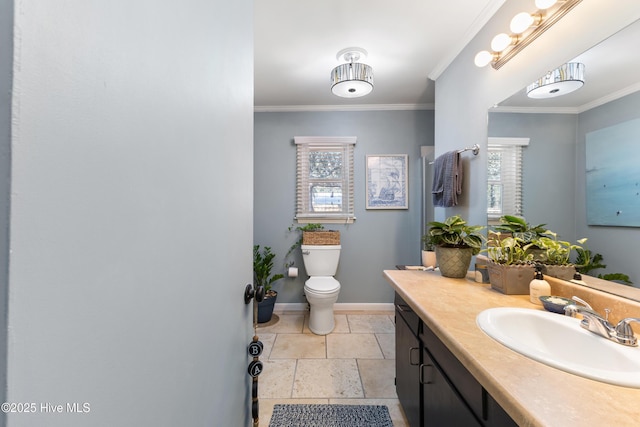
511, 279
564, 272
454, 262
429, 259
265, 308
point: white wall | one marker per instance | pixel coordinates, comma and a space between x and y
465, 92
131, 212
6, 62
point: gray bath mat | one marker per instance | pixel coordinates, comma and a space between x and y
330, 416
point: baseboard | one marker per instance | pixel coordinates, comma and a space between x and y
338, 307
283, 307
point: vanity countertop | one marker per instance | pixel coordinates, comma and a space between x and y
532, 393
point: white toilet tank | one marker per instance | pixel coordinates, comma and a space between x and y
321, 260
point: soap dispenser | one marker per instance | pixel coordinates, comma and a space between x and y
577, 278
538, 287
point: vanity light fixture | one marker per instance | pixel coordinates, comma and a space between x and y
561, 81
353, 79
525, 28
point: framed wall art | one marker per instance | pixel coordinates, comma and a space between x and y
387, 181
613, 175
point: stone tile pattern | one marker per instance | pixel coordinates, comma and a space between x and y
353, 365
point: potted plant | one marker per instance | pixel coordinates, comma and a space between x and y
556, 255
455, 243
519, 228
429, 258
511, 267
262, 266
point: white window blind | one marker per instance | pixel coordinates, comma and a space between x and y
504, 176
324, 179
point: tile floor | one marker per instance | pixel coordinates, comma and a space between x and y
354, 365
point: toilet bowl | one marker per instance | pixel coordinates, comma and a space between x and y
321, 292
321, 289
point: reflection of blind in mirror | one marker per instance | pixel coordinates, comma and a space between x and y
494, 202
504, 179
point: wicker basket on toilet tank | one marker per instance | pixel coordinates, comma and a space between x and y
321, 238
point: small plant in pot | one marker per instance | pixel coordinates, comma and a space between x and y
429, 258
556, 255
455, 243
262, 276
511, 267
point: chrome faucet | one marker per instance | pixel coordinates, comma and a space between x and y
625, 333
594, 322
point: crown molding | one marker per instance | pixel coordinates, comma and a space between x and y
361, 107
611, 97
535, 110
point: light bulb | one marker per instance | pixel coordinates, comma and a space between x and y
521, 22
500, 42
483, 58
545, 4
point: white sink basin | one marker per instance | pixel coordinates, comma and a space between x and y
559, 341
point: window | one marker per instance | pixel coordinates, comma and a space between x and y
504, 176
324, 181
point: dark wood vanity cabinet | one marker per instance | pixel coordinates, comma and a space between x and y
442, 404
408, 360
437, 390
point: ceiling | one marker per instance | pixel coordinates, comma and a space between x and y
409, 42
611, 71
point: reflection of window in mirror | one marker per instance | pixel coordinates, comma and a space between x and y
504, 177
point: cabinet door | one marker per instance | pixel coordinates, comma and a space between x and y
408, 371
442, 405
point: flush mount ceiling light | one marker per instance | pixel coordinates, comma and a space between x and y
525, 28
352, 79
561, 81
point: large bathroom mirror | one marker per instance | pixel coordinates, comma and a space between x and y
554, 161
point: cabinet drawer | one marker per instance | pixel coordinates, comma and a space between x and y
468, 387
406, 312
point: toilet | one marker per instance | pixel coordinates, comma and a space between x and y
321, 289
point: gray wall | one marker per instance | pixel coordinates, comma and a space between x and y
6, 63
618, 245
131, 212
549, 179
379, 239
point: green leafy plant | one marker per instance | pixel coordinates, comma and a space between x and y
587, 263
262, 267
455, 233
508, 250
427, 244
554, 251
298, 243
520, 228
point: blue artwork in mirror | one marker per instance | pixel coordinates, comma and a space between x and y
613, 175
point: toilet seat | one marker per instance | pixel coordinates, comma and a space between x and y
322, 284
